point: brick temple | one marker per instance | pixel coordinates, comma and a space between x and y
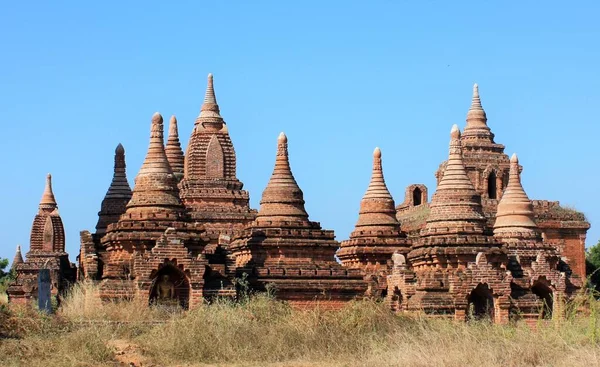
185, 233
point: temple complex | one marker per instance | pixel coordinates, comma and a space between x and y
46, 251
186, 234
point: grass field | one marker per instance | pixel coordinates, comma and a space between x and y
261, 331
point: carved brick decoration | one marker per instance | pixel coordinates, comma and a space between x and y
377, 234
46, 250
210, 189
282, 247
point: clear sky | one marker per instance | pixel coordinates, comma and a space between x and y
339, 77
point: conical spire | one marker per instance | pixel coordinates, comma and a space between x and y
210, 116
477, 119
377, 207
155, 184
119, 187
117, 196
173, 149
156, 158
455, 206
515, 210
18, 259
282, 199
48, 201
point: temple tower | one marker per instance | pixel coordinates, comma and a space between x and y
282, 247
210, 189
485, 162
46, 250
456, 264
129, 260
377, 234
118, 194
173, 150
540, 277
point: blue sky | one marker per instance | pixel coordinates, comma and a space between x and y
339, 77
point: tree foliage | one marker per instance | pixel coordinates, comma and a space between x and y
592, 266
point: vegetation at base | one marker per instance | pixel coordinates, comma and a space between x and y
260, 331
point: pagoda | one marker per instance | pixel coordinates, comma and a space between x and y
284, 251
46, 251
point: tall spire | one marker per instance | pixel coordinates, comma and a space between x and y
455, 206
117, 196
210, 116
173, 149
377, 206
515, 210
477, 119
282, 199
155, 184
119, 187
48, 201
18, 259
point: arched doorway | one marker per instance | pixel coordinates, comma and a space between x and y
544, 293
417, 196
481, 303
170, 287
492, 185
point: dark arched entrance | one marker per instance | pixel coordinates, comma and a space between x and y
417, 195
492, 185
170, 287
481, 303
544, 293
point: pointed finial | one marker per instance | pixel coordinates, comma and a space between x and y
210, 115
377, 188
18, 259
157, 118
455, 132
209, 97
120, 150
48, 200
514, 158
282, 138
173, 131
476, 101
477, 120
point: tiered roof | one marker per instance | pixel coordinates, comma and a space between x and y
377, 234
155, 189
515, 214
117, 196
47, 232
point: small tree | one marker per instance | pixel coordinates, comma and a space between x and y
592, 266
5, 276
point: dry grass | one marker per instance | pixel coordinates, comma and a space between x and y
261, 331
